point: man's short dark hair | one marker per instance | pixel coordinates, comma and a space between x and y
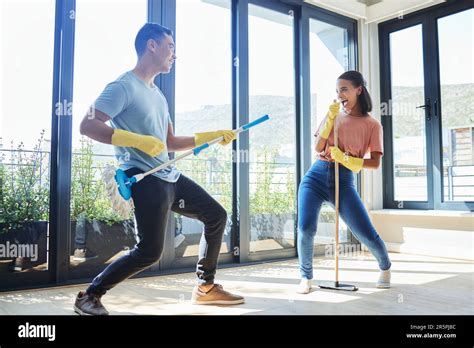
149, 31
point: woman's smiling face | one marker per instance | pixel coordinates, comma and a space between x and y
347, 94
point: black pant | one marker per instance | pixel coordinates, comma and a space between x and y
153, 199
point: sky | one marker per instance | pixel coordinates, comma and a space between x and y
456, 37
104, 50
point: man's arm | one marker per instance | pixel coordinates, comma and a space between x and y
178, 143
93, 125
175, 143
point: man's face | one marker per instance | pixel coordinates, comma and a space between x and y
164, 54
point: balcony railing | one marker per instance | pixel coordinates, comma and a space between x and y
458, 180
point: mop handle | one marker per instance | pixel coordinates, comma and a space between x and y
336, 178
198, 149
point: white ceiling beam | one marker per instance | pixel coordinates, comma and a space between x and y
388, 9
351, 8
384, 10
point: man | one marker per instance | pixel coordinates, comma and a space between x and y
141, 126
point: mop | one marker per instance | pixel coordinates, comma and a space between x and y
119, 185
329, 284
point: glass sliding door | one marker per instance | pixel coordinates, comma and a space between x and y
203, 102
408, 115
329, 58
427, 108
104, 49
26, 72
273, 145
457, 100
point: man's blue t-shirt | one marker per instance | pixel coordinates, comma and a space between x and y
136, 107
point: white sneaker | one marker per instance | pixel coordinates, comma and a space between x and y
384, 279
304, 287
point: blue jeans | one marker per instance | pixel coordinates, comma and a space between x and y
318, 187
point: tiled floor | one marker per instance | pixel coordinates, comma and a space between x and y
421, 285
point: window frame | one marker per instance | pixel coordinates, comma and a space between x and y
428, 18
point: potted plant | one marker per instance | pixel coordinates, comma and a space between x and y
97, 232
24, 205
272, 209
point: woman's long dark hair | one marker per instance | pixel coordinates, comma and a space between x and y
357, 80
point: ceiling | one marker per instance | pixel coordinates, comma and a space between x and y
374, 10
369, 2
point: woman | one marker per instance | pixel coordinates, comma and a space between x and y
358, 134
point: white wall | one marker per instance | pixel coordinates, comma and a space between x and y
372, 193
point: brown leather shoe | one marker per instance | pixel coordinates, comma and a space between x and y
89, 304
215, 296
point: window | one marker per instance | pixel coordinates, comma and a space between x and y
329, 58
203, 102
408, 137
427, 108
104, 49
272, 147
26, 64
457, 98
329, 50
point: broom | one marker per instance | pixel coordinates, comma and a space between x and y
329, 284
119, 185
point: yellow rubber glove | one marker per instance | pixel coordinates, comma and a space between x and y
330, 117
201, 138
148, 144
353, 163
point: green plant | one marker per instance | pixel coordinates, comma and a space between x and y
89, 198
24, 186
267, 198
212, 171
